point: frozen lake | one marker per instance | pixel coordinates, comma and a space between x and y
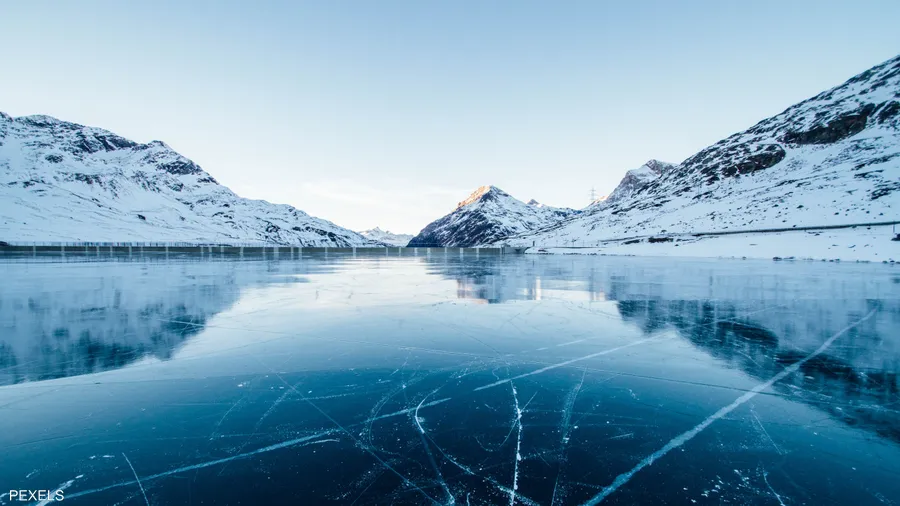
413, 380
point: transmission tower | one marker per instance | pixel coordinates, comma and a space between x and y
593, 194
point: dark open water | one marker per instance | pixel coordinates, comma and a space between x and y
497, 380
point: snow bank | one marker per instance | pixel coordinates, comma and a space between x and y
871, 244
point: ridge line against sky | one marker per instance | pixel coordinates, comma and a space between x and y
389, 113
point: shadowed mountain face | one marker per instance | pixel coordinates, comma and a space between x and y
488, 215
831, 159
636, 180
60, 181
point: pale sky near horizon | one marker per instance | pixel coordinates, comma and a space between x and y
388, 113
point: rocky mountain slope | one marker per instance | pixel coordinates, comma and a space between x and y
386, 237
637, 179
832, 159
61, 181
488, 215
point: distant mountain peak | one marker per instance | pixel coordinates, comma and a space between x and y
487, 215
635, 180
159, 144
652, 168
656, 166
386, 237
483, 193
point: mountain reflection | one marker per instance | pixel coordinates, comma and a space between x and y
758, 320
855, 380
67, 319
104, 316
63, 319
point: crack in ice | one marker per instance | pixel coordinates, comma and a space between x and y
141, 485
367, 449
569, 362
418, 421
566, 431
515, 483
59, 488
765, 476
265, 449
679, 440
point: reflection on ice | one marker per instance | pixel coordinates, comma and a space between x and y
365, 380
59, 320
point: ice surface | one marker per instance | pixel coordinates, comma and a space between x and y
439, 379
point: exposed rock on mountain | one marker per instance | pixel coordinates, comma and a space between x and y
832, 159
61, 181
487, 215
636, 180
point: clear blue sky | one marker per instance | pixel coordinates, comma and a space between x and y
389, 112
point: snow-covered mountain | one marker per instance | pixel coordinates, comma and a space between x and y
832, 159
487, 215
636, 179
61, 181
386, 237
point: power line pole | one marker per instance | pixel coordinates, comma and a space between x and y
593, 195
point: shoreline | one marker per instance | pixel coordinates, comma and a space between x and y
870, 244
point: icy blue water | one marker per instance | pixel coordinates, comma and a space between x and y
440, 379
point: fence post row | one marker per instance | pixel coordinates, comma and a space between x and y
134, 249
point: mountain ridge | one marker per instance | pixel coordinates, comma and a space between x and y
488, 214
386, 237
62, 181
636, 179
831, 159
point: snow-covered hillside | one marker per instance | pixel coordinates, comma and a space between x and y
60, 181
487, 215
832, 159
386, 237
869, 243
636, 179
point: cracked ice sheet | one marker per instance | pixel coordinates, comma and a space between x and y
387, 399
